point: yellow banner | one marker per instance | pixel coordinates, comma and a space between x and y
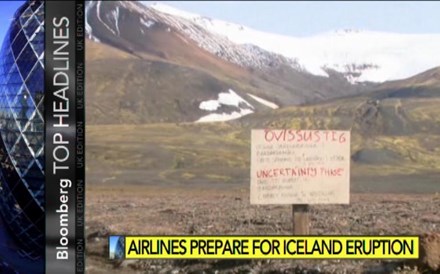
271, 247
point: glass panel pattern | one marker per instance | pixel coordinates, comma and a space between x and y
22, 127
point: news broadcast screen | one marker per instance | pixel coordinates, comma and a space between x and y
219, 137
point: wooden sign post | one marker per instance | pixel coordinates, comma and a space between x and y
301, 220
300, 167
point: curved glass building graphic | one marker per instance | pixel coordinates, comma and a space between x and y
117, 247
22, 127
120, 248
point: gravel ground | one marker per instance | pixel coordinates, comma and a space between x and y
222, 211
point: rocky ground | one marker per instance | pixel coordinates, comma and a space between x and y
225, 211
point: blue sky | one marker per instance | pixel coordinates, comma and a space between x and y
6, 12
112, 243
303, 18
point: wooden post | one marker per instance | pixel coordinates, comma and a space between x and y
301, 219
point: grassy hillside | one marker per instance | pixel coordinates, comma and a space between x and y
395, 146
139, 106
145, 86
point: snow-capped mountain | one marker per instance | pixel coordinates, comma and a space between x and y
158, 64
247, 55
359, 55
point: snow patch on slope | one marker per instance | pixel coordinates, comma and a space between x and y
221, 117
89, 30
115, 14
98, 15
230, 98
147, 23
263, 101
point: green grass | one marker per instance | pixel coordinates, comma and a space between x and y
396, 143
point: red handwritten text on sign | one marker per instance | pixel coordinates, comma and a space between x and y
290, 135
304, 171
300, 166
